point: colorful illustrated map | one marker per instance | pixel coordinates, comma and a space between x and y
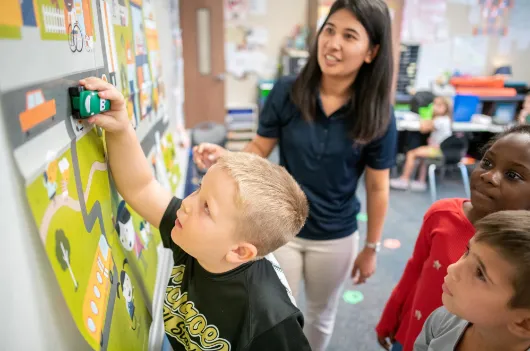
103, 254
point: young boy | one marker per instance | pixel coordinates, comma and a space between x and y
223, 294
487, 292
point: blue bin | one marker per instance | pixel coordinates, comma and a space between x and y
465, 106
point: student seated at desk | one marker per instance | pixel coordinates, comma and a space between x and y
440, 127
226, 292
524, 115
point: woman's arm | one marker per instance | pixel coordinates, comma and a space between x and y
377, 192
378, 156
268, 133
206, 154
261, 146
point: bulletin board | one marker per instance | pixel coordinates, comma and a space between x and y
103, 254
471, 37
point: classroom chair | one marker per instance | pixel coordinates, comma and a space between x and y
421, 103
206, 132
453, 149
421, 100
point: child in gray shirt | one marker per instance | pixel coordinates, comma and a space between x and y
486, 294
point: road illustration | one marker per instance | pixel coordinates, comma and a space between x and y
89, 218
75, 205
68, 184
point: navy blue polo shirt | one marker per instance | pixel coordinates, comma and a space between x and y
323, 160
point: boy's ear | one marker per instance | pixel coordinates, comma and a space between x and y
521, 326
244, 252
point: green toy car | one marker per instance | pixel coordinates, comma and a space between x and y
86, 103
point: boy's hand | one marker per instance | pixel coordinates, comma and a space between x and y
116, 119
206, 154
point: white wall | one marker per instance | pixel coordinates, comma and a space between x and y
440, 51
281, 18
34, 314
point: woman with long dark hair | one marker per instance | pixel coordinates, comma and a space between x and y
332, 123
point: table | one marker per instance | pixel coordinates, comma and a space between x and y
414, 126
406, 99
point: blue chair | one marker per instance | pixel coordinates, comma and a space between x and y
465, 106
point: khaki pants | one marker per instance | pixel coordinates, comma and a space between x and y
324, 265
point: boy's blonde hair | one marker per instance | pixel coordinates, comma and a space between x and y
508, 232
274, 208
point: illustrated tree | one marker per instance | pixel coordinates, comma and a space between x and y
62, 252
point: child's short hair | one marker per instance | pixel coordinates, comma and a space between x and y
274, 207
508, 232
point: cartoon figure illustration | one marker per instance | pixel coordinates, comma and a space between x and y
145, 232
62, 252
64, 168
50, 179
127, 291
129, 238
75, 30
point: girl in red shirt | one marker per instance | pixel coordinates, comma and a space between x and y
500, 182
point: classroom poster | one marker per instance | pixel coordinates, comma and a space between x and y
424, 21
517, 26
103, 254
236, 10
492, 16
244, 50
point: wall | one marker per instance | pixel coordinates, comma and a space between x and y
459, 25
518, 58
34, 313
281, 18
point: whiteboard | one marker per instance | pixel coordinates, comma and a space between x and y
467, 54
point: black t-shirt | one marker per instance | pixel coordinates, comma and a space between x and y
248, 308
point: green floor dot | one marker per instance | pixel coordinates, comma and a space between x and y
353, 297
363, 217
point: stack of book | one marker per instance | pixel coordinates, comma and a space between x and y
241, 123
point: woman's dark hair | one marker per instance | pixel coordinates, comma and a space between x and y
518, 129
368, 113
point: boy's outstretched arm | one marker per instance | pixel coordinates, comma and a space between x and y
129, 166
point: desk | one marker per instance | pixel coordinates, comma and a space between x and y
406, 99
414, 126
